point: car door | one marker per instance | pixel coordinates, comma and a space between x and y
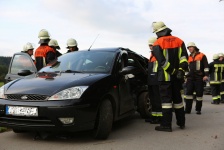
20, 61
126, 98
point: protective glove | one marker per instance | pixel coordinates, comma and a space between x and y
180, 74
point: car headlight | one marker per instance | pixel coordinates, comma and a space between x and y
2, 92
70, 93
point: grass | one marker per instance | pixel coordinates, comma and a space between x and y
1, 84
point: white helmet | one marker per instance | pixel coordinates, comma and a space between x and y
158, 26
191, 44
215, 56
152, 40
54, 43
221, 54
43, 34
27, 47
71, 43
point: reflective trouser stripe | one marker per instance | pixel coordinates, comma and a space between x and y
157, 114
221, 93
178, 106
167, 105
199, 98
194, 93
215, 97
188, 96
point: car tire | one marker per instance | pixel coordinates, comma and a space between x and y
144, 105
104, 120
18, 131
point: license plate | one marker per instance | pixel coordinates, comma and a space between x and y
21, 111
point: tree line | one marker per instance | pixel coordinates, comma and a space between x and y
4, 65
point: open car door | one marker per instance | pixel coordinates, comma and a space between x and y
21, 66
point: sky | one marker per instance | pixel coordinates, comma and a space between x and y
119, 23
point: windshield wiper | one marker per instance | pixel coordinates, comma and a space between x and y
72, 71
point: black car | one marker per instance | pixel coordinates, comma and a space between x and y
84, 90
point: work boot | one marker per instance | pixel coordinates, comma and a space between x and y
163, 128
187, 112
181, 126
215, 102
198, 112
153, 120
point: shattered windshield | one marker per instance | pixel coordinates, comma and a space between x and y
82, 61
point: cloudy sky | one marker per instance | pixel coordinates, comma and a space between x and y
119, 23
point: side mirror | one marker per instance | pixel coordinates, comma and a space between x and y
128, 70
24, 72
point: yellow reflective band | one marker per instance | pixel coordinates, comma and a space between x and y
215, 82
215, 98
221, 93
194, 93
166, 76
154, 114
166, 65
173, 71
155, 66
167, 105
159, 114
199, 98
190, 97
178, 106
179, 53
184, 60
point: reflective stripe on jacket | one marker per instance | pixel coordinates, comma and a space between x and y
215, 71
198, 66
171, 54
152, 70
43, 55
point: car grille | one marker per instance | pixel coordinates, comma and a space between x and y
27, 97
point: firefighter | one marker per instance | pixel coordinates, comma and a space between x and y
215, 71
44, 53
54, 44
198, 74
72, 45
153, 86
221, 59
28, 48
171, 54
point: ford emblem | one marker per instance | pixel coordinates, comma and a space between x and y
24, 97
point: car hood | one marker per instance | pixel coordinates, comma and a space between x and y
47, 86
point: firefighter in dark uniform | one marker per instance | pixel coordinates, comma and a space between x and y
215, 71
54, 44
153, 86
221, 59
171, 54
198, 74
44, 53
72, 45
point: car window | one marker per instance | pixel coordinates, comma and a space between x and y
83, 61
21, 62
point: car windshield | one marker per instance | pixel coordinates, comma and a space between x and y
82, 61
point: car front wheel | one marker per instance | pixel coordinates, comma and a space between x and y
104, 120
144, 105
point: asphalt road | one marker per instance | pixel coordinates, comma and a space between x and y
202, 132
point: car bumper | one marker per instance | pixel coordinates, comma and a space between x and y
48, 116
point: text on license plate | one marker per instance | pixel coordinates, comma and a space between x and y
21, 111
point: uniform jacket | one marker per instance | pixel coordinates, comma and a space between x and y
43, 55
198, 67
215, 71
152, 70
171, 54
